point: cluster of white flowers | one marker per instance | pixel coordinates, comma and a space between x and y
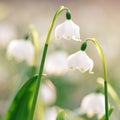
24, 50
93, 103
79, 60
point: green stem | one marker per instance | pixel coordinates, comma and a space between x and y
61, 9
99, 48
111, 92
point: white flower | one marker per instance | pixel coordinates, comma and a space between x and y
93, 104
56, 63
21, 50
7, 33
80, 61
48, 92
68, 30
51, 113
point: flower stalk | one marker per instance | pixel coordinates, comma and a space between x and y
101, 53
61, 9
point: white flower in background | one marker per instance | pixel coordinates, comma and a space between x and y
56, 63
21, 50
93, 104
7, 33
68, 30
80, 61
51, 113
48, 92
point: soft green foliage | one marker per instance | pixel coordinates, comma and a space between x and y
110, 112
67, 115
61, 115
85, 117
20, 108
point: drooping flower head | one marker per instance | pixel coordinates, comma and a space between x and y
80, 61
68, 30
93, 104
21, 50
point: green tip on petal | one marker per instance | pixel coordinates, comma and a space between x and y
83, 46
68, 15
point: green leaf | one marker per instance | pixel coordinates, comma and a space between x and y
21, 105
110, 112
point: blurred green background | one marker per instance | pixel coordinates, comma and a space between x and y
96, 18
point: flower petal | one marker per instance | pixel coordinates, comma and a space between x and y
68, 30
59, 31
80, 61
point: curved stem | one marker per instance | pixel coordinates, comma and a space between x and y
61, 9
99, 48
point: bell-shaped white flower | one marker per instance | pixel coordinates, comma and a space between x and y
93, 104
21, 50
68, 30
7, 33
48, 92
56, 63
80, 61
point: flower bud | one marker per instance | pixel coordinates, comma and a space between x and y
83, 46
68, 15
